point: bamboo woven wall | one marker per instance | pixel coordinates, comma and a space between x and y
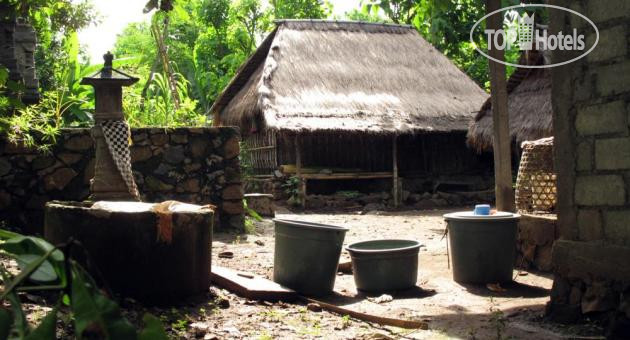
262, 152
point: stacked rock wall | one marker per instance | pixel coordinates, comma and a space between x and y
195, 165
591, 105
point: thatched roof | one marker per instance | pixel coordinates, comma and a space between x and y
529, 106
348, 76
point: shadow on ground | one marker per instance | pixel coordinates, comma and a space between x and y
523, 322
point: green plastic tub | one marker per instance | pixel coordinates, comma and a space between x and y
482, 247
384, 265
306, 255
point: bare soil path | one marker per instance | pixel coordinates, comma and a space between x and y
452, 310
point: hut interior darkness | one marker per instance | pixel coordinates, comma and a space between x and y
351, 101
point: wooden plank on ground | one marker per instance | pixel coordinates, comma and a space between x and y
251, 286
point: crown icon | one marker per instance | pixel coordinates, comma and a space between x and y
526, 19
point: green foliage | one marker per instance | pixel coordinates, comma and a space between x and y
298, 9
95, 316
159, 108
446, 24
36, 125
291, 186
208, 41
250, 217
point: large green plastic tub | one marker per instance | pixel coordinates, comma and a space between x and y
306, 256
482, 248
384, 265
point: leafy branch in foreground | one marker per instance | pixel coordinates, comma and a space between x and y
45, 267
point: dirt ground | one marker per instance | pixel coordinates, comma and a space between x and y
451, 310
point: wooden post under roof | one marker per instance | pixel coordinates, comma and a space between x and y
298, 171
395, 171
500, 118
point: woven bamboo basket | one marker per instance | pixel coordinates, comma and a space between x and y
536, 181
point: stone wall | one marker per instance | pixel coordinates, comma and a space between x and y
195, 165
591, 100
536, 235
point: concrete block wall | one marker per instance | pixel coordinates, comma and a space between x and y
591, 101
194, 165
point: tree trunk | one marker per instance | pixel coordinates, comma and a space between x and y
500, 118
159, 39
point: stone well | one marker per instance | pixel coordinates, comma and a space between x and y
141, 252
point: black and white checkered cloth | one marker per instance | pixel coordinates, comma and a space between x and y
117, 137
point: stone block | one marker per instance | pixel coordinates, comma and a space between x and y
598, 297
575, 297
600, 190
612, 9
237, 222
192, 167
590, 225
5, 166
69, 158
612, 153
138, 137
542, 261
192, 185
154, 184
538, 230
179, 138
611, 79
198, 146
584, 155
233, 207
59, 179
612, 43
79, 143
602, 118
43, 162
231, 148
232, 192
5, 200
159, 138
584, 260
617, 226
174, 154
140, 153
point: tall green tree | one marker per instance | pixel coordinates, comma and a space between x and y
299, 9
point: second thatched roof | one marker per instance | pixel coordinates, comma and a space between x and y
529, 106
312, 75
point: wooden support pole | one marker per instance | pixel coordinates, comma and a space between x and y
395, 171
298, 172
500, 118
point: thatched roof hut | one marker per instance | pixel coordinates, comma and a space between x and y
529, 106
358, 101
312, 75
